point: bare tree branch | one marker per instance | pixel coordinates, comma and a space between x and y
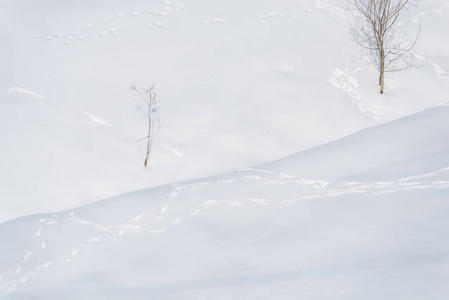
375, 30
153, 124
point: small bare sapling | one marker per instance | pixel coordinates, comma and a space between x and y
375, 30
149, 96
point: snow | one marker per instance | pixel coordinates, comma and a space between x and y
254, 232
234, 95
279, 170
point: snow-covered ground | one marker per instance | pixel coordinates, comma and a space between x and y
363, 230
267, 88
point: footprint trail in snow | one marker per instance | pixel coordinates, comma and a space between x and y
188, 200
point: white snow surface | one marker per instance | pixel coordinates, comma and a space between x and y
361, 231
259, 81
328, 190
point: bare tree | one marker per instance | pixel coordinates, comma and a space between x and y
153, 124
375, 29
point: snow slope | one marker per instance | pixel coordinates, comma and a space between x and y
239, 84
271, 84
364, 217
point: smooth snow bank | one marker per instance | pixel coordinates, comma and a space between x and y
408, 146
272, 232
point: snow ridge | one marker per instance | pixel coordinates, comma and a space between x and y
174, 211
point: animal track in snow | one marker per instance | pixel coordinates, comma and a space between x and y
169, 8
171, 150
214, 21
50, 221
326, 6
271, 14
157, 24
23, 91
441, 72
173, 212
98, 28
28, 255
174, 6
39, 232
160, 12
342, 80
112, 31
106, 19
422, 15
91, 118
177, 220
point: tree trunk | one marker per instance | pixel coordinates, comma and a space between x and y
149, 135
382, 72
382, 79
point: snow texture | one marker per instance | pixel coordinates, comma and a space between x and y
279, 172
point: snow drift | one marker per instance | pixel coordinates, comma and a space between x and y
364, 217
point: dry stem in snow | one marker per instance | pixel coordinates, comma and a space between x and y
153, 124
